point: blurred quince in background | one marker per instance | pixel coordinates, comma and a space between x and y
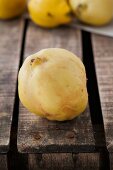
93, 12
52, 13
11, 8
49, 13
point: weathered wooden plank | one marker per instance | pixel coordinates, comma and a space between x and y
3, 162
103, 56
51, 162
65, 161
10, 44
81, 161
89, 161
40, 135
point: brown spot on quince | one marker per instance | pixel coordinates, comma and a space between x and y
37, 61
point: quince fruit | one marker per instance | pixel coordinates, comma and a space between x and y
93, 12
11, 8
49, 13
52, 84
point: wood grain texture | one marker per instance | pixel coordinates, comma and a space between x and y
10, 45
81, 161
89, 161
51, 162
103, 56
3, 162
40, 135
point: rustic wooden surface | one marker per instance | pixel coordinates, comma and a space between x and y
40, 135
51, 162
89, 161
78, 135
82, 161
10, 45
103, 56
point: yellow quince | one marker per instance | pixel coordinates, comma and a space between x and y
93, 12
49, 13
11, 8
52, 84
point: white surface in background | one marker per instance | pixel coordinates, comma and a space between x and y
104, 30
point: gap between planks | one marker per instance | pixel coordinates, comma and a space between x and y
10, 45
9, 62
94, 99
16, 160
103, 56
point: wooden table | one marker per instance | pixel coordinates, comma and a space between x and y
30, 142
